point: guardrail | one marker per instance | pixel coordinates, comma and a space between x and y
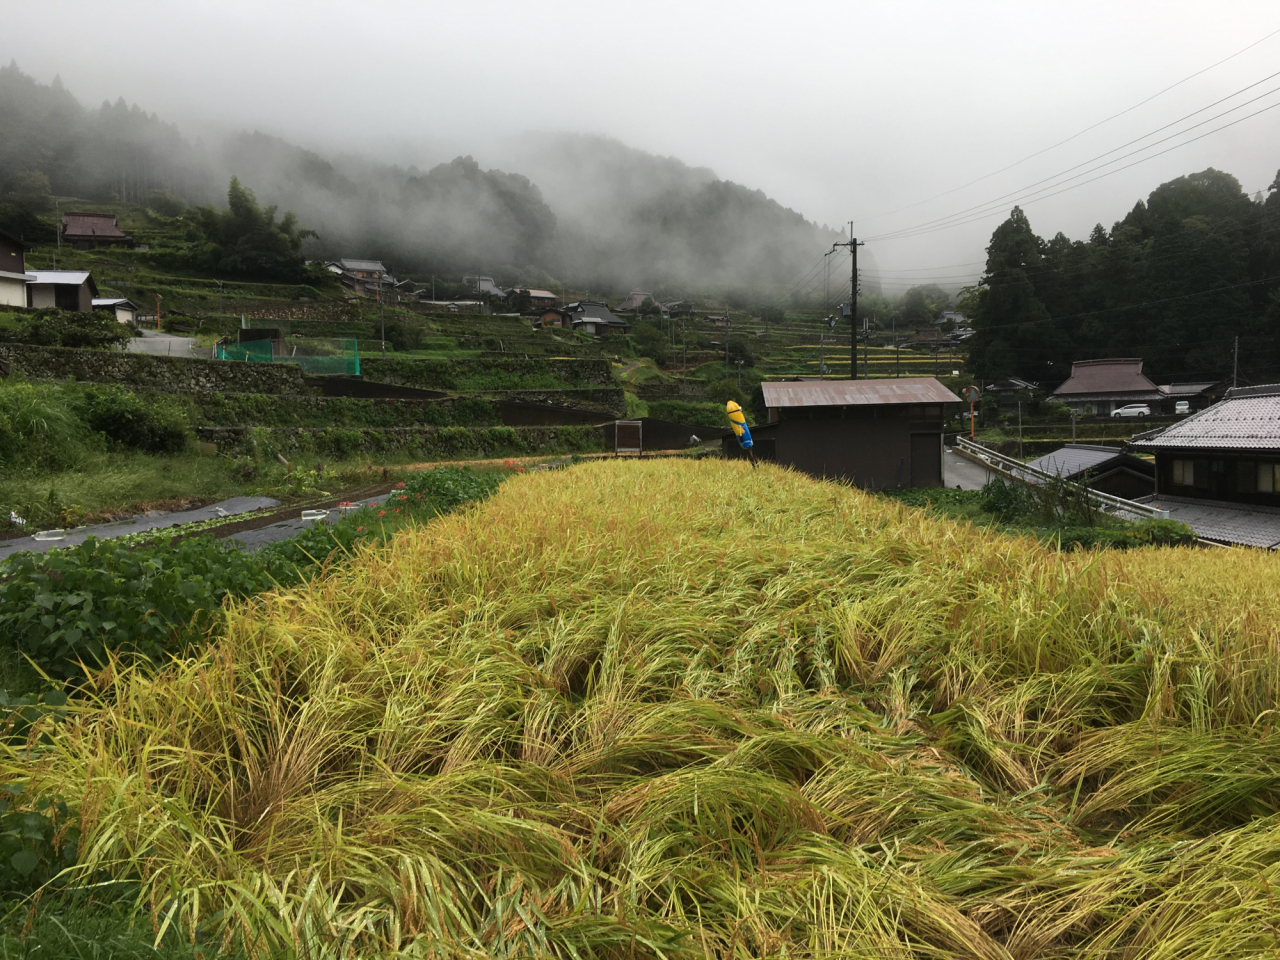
1017, 470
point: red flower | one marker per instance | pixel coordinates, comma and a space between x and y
359, 529
400, 485
382, 513
396, 510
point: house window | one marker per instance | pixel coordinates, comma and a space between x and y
1267, 477
1184, 473
1246, 476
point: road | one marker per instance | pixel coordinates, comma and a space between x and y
963, 473
164, 345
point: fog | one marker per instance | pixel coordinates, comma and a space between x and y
880, 113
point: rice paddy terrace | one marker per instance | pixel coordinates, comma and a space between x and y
687, 709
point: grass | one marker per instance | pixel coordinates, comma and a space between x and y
684, 708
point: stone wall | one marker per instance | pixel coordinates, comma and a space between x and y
490, 373
170, 374
427, 442
692, 391
610, 402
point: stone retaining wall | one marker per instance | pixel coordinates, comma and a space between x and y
490, 373
170, 374
429, 443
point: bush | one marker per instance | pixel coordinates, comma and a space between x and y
650, 342
38, 427
127, 419
724, 390
96, 330
76, 605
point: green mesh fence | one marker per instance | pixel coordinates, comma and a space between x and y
316, 355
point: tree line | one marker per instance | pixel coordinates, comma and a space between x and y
1176, 282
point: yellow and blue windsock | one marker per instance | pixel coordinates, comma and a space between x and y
738, 420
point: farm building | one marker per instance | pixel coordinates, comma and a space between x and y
125, 311
1096, 387
877, 434
63, 289
13, 272
1105, 469
85, 231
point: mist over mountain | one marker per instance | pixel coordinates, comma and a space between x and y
582, 209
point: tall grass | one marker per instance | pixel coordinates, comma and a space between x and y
695, 709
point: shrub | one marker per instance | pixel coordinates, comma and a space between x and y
38, 427
127, 419
72, 606
95, 330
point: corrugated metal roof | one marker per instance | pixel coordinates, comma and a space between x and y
1237, 423
75, 277
848, 393
1107, 377
111, 302
1071, 460
1186, 389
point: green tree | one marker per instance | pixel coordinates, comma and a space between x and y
649, 308
245, 239
650, 342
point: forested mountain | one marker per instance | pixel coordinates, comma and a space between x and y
1174, 282
612, 216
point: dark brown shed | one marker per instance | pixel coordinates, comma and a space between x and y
878, 434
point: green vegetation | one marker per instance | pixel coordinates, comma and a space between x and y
1056, 513
1173, 282
79, 604
651, 720
62, 328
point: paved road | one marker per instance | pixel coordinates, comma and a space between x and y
164, 345
963, 473
253, 539
120, 528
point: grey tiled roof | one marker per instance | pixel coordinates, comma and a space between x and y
1237, 423
1239, 523
1071, 460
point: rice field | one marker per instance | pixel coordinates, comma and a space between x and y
688, 709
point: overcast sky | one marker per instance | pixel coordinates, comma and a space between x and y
841, 110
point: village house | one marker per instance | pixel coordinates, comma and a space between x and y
1096, 387
485, 285
124, 310
877, 434
13, 272
633, 301
364, 278
84, 231
62, 289
537, 298
677, 308
1218, 470
595, 318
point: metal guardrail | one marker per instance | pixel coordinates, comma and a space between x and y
1017, 470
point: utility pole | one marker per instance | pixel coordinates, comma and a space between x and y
1235, 363
739, 362
382, 320
726, 341
866, 350
684, 361
853, 245
897, 372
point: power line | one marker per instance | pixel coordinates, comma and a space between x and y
940, 223
1076, 135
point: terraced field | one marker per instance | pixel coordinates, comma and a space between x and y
691, 709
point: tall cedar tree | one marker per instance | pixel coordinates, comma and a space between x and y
1175, 282
245, 240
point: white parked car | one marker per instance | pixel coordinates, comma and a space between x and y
1181, 407
1132, 410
